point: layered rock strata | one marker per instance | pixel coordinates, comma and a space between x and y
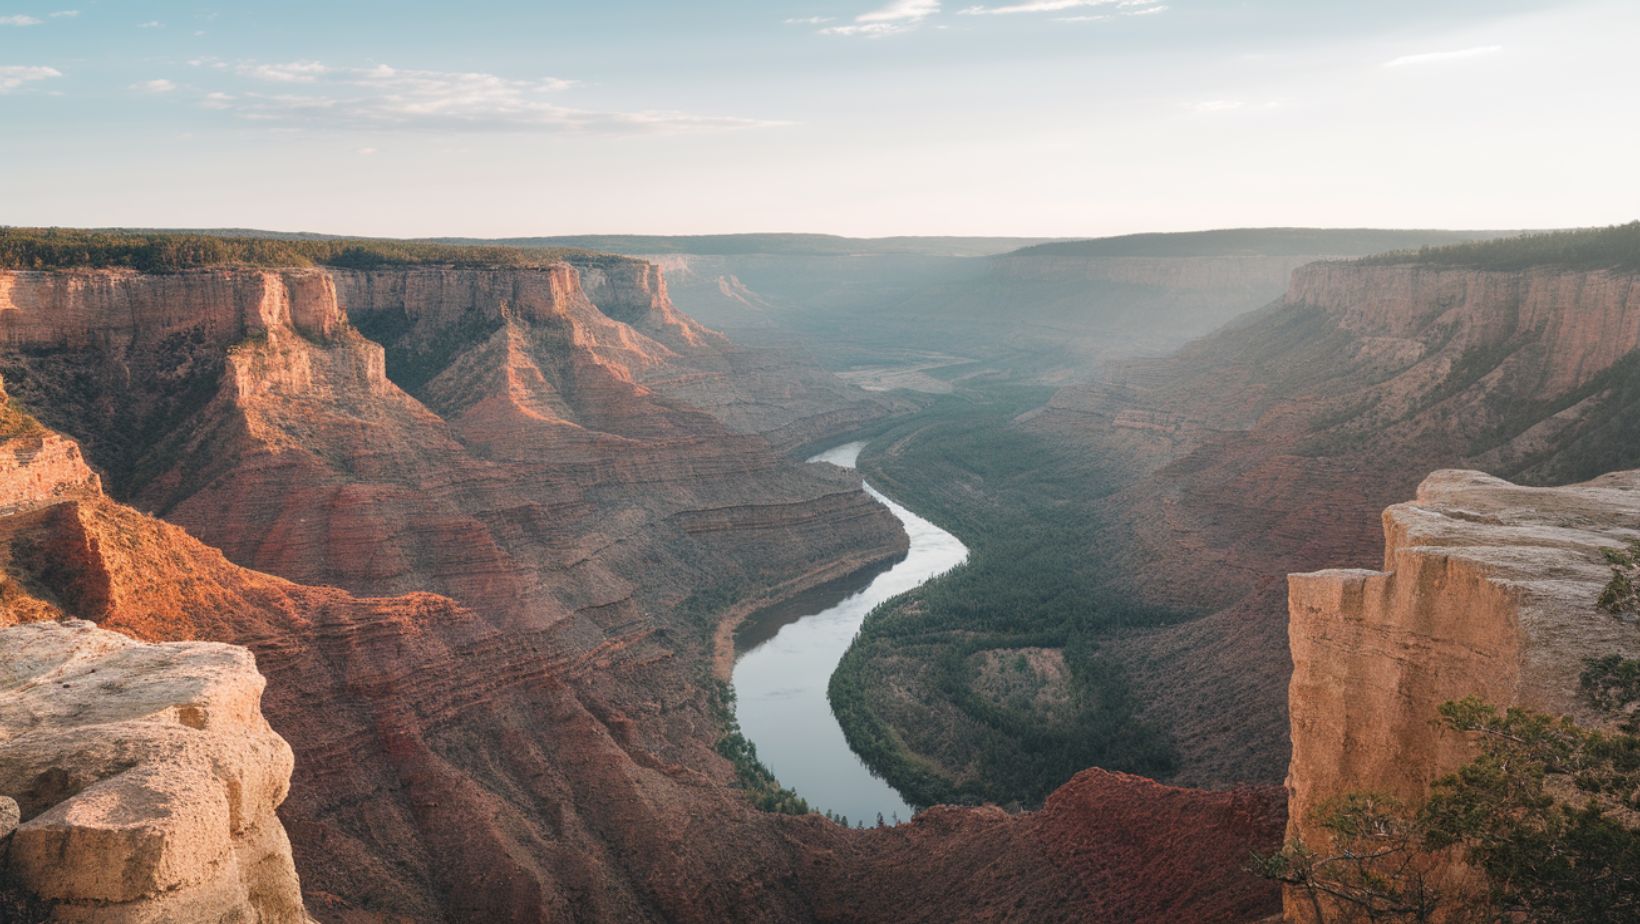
565, 513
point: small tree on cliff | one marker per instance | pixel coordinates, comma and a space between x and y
1549, 811
1621, 595
1368, 867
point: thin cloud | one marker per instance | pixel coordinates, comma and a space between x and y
1123, 8
19, 21
422, 100
154, 86
1436, 57
1235, 105
65, 14
810, 20
898, 16
1033, 6
13, 76
291, 72
150, 24
901, 10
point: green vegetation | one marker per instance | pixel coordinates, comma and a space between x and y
1612, 684
1616, 247
15, 422
162, 251
750, 773
908, 693
1622, 593
1547, 812
1367, 865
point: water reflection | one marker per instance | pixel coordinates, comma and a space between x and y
786, 655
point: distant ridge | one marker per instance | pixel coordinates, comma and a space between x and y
774, 244
171, 251
1616, 247
1259, 242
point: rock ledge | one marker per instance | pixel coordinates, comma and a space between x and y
146, 779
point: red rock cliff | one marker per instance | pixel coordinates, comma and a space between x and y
1487, 589
1580, 323
120, 307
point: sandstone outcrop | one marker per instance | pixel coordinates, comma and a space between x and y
145, 780
42, 467
1487, 589
108, 307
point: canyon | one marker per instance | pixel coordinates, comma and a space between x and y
487, 529
899, 462
480, 545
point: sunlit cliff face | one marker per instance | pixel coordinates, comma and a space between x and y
1488, 590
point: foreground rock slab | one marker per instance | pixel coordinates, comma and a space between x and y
144, 777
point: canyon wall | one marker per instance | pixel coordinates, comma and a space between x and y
517, 541
145, 781
1272, 445
1488, 589
40, 309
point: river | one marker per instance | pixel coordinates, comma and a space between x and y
785, 656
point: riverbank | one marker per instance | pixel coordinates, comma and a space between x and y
993, 684
786, 662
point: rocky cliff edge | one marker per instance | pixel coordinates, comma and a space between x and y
144, 779
1487, 589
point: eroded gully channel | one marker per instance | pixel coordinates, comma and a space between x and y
785, 655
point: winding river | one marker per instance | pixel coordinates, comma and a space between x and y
785, 656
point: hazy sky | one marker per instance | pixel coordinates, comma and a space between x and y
1028, 117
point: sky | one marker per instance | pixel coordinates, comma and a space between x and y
1062, 118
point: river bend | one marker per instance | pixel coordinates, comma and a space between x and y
785, 656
